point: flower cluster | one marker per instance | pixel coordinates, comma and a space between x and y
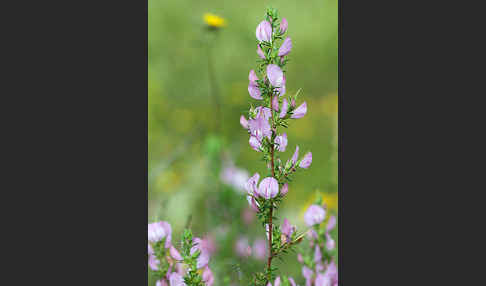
267, 85
318, 266
174, 268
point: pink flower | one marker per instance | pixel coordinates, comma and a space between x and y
158, 231
285, 108
322, 280
242, 248
281, 142
244, 122
275, 103
253, 89
317, 254
300, 258
275, 75
307, 273
331, 223
251, 184
284, 190
300, 111
268, 188
161, 282
277, 281
330, 244
208, 276
153, 263
314, 215
260, 249
296, 155
204, 255
306, 161
287, 229
174, 253
264, 32
281, 90
285, 48
283, 26
260, 52
259, 127
176, 279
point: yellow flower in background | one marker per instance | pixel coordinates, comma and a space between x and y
330, 199
214, 21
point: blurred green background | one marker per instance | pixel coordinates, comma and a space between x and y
189, 141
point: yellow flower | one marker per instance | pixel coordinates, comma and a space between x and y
214, 20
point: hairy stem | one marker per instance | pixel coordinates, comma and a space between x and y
270, 227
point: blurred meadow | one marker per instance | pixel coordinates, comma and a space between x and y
197, 90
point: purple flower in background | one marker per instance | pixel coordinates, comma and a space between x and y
317, 254
153, 263
268, 188
264, 31
285, 48
300, 258
158, 231
292, 282
244, 122
277, 281
284, 190
259, 249
174, 253
330, 244
322, 280
283, 26
260, 52
275, 75
314, 215
300, 111
208, 276
332, 273
176, 279
296, 155
242, 247
285, 108
281, 142
275, 103
233, 176
150, 249
307, 273
312, 234
306, 161
331, 224
161, 282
